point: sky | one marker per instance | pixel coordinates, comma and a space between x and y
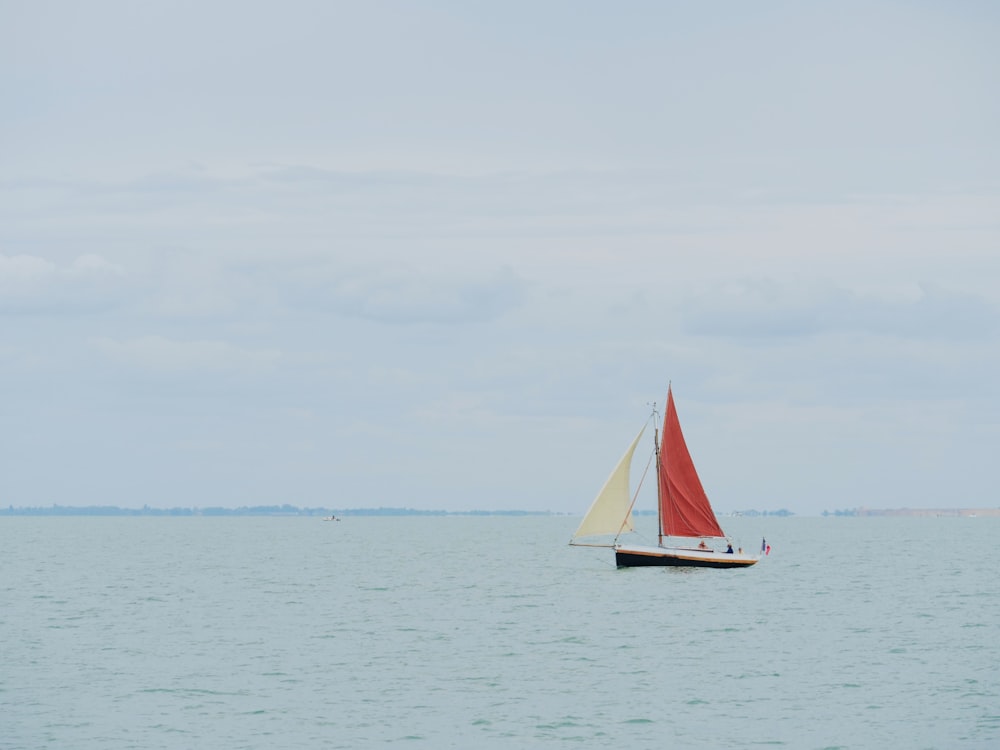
445, 255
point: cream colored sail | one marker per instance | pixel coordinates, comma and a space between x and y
611, 511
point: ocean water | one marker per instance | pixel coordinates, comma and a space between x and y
490, 632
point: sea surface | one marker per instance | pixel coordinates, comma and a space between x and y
491, 632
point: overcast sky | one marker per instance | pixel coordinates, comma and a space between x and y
443, 255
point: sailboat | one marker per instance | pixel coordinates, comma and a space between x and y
683, 511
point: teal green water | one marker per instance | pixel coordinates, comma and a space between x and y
489, 632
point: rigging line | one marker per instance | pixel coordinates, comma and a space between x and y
635, 495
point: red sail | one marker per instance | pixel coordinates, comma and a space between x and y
684, 507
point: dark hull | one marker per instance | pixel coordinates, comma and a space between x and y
635, 560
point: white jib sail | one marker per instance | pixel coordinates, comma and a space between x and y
611, 513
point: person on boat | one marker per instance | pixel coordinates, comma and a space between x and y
702, 545
729, 548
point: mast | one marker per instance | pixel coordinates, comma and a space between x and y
659, 503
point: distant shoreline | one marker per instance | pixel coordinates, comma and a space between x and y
922, 512
258, 510
291, 510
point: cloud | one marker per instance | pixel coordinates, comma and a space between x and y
769, 309
401, 296
30, 284
160, 354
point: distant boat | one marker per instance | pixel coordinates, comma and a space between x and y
683, 510
331, 518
